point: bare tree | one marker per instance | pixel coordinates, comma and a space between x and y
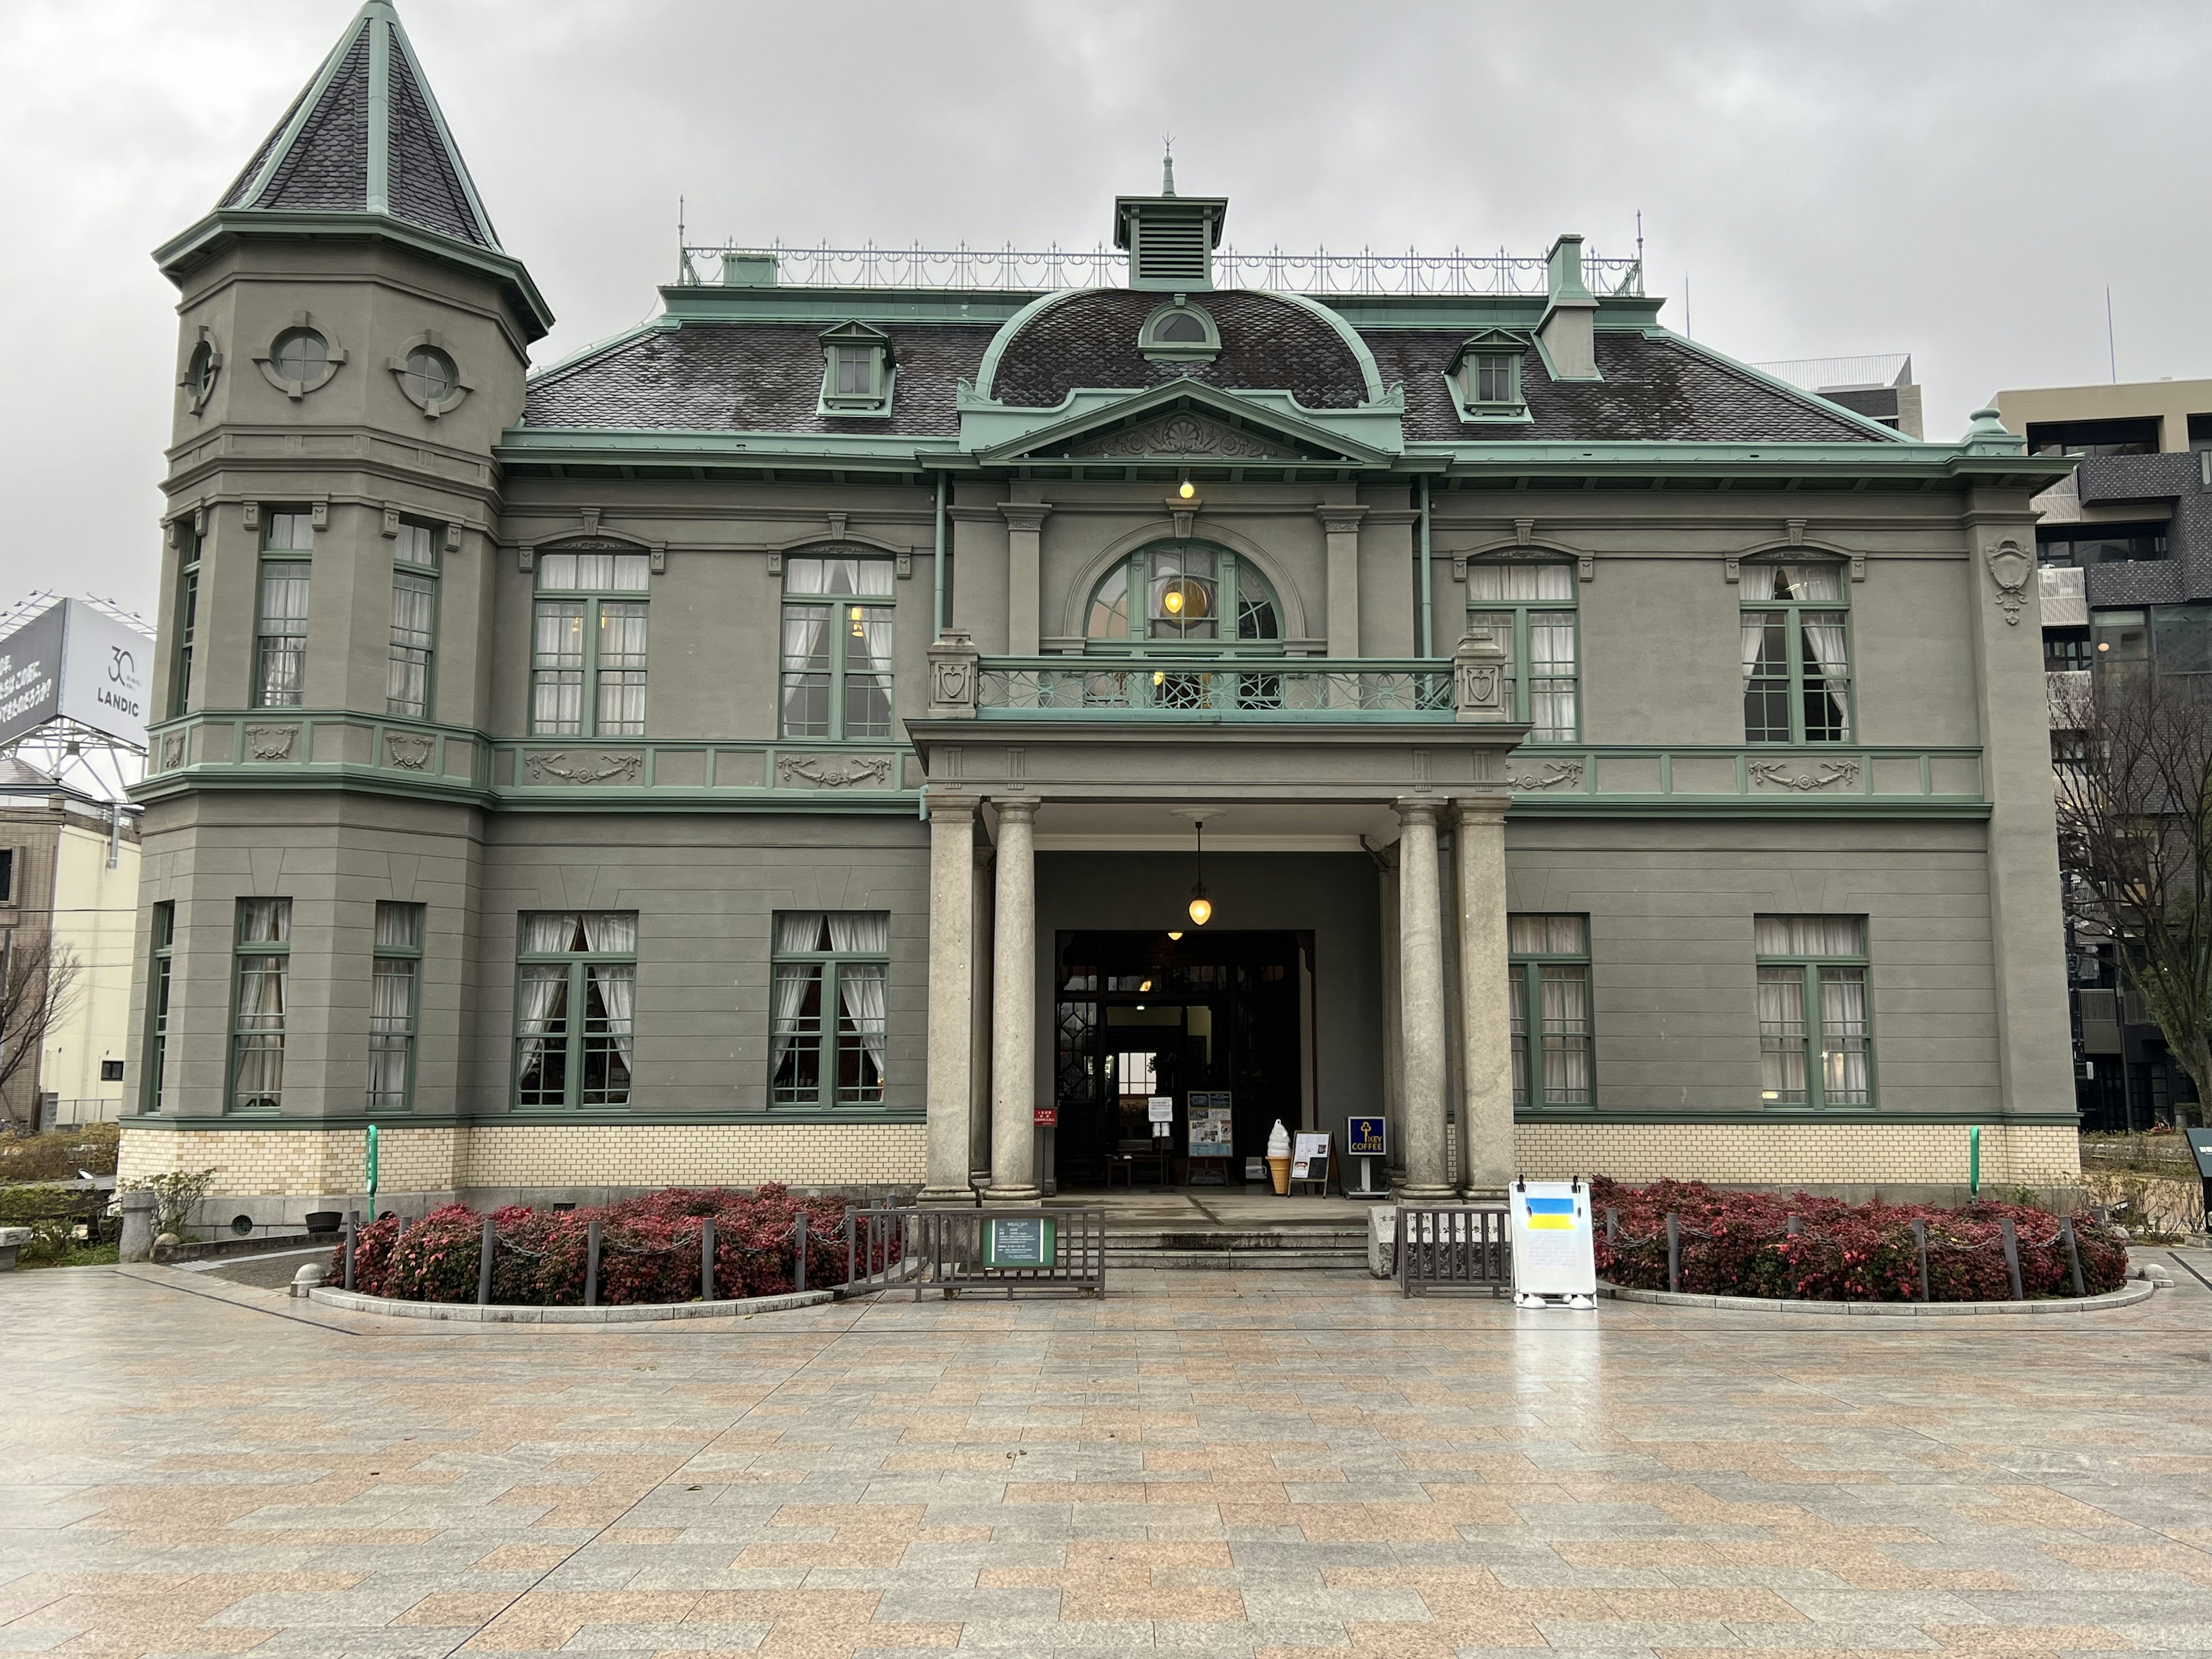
2134, 836
37, 991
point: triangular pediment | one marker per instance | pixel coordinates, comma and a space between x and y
1185, 422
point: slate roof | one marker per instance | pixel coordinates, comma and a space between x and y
1267, 345
755, 377
322, 153
1652, 389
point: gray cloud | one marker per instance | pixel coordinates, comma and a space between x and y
1958, 181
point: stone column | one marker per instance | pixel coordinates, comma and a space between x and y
1013, 1013
1024, 542
1421, 999
951, 987
1485, 1112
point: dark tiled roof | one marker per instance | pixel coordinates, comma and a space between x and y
1267, 345
752, 377
235, 196
425, 189
1652, 389
327, 166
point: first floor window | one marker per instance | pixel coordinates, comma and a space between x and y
256, 1041
394, 1002
1815, 1040
1550, 989
827, 1036
575, 1002
159, 1096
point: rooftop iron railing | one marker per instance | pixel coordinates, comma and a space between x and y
1012, 269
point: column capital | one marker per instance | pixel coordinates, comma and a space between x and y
1479, 809
1339, 520
950, 805
1022, 809
1417, 809
1024, 515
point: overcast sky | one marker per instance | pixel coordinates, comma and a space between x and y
1959, 181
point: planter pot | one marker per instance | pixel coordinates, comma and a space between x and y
322, 1222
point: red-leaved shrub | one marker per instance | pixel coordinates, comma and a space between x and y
1738, 1244
648, 1249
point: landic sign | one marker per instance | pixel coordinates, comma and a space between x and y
74, 662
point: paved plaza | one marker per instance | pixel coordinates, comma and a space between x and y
1285, 1464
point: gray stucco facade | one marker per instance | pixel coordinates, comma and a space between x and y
1382, 780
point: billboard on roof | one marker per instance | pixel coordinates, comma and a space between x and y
73, 661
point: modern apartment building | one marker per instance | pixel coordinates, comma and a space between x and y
2125, 543
891, 717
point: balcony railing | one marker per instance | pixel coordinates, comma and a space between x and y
1367, 272
1215, 688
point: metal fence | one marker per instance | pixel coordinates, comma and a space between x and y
1281, 687
1455, 1247
1006, 1251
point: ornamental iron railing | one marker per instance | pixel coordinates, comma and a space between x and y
1043, 270
1241, 689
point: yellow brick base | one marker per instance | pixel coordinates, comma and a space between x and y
1862, 1154
308, 1163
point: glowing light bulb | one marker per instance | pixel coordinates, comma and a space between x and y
859, 624
1188, 492
1177, 933
1146, 986
1159, 677
1201, 908
1173, 602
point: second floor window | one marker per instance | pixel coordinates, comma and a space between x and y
188, 616
1183, 592
587, 646
414, 621
1528, 605
837, 671
260, 1002
394, 1005
574, 1006
280, 666
1796, 653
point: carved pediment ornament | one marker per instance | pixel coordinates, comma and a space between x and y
270, 743
2010, 567
1182, 434
409, 751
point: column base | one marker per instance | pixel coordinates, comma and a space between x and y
940, 1197
1425, 1194
1483, 1195
1029, 1196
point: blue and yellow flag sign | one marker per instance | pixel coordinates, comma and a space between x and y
1554, 1254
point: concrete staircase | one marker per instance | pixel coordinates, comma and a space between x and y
1241, 1230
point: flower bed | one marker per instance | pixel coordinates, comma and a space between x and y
648, 1249
1738, 1244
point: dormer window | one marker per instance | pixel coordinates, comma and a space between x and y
857, 371
1179, 330
1484, 377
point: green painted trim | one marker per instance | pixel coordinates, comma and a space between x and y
856, 1115
1369, 373
987, 370
376, 196
1801, 1117
1739, 806
1086, 408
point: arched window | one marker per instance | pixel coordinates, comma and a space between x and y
1528, 605
1184, 592
1796, 651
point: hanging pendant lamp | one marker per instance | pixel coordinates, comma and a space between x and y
1201, 907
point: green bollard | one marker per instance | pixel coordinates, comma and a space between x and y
1974, 1160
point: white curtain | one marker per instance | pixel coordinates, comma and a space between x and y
1823, 641
795, 931
1843, 1036
543, 983
1566, 1035
1753, 641
615, 933
864, 933
802, 639
1782, 1035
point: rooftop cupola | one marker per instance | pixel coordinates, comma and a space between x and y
1170, 239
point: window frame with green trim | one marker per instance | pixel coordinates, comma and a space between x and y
1531, 618
601, 972
395, 1005
410, 683
284, 592
1538, 953
837, 606
1817, 712
1179, 579
578, 655
1801, 937
261, 1032
813, 954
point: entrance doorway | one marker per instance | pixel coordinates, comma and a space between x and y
1141, 1017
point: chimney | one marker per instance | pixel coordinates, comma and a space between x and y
1569, 329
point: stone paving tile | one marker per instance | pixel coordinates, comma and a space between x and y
1205, 1464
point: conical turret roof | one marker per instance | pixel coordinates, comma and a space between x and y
366, 135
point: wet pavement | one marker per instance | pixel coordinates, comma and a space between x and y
1233, 1463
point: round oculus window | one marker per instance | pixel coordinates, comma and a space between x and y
1179, 328
300, 356
199, 372
429, 376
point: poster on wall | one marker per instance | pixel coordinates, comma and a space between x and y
1212, 1133
1554, 1252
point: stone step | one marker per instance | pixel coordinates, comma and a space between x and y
1275, 1261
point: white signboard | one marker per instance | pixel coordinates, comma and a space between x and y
1554, 1255
1160, 1108
1310, 1154
73, 662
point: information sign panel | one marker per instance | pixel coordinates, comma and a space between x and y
106, 666
1366, 1137
2200, 1148
1213, 1125
1045, 1117
31, 674
1024, 1242
1554, 1254
1160, 1108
